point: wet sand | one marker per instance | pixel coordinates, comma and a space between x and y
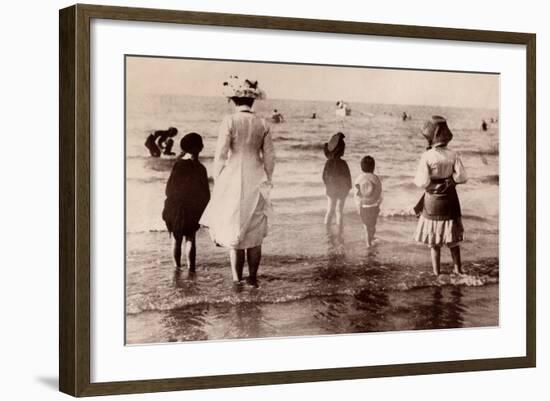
311, 282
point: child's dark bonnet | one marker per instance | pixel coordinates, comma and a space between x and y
335, 147
191, 143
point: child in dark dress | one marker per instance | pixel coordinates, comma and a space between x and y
187, 194
337, 179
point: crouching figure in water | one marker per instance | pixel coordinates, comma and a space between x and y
161, 142
439, 171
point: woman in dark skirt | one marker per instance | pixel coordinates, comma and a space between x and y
187, 194
439, 171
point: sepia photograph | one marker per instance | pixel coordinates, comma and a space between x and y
269, 199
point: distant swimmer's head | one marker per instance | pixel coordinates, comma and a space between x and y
242, 91
367, 164
436, 132
191, 143
335, 147
172, 131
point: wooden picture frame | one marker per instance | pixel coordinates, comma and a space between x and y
75, 207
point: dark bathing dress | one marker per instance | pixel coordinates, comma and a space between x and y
337, 178
187, 194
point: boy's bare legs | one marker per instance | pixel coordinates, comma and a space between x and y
436, 259
254, 257
190, 252
237, 263
370, 235
367, 242
177, 250
457, 262
331, 205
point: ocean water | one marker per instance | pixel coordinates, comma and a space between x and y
335, 282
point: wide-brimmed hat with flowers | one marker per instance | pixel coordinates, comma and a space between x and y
239, 87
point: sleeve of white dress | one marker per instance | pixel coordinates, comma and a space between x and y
422, 176
222, 146
268, 153
459, 173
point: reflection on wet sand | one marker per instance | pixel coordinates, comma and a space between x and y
186, 323
248, 321
185, 280
366, 311
445, 311
373, 306
348, 288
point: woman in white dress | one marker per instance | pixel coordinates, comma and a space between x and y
439, 171
243, 169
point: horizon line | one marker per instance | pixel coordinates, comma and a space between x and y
497, 108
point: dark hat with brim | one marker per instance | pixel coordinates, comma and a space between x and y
436, 131
335, 146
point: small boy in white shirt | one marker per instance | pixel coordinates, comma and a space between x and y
368, 197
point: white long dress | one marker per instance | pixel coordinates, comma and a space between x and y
237, 212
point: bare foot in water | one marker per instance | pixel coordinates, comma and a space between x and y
252, 281
237, 286
373, 242
459, 272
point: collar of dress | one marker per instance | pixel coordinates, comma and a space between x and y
244, 108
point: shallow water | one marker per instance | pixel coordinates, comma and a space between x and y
311, 281
309, 272
367, 311
372, 129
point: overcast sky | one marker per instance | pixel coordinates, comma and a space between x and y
147, 75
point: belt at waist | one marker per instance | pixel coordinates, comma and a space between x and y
440, 201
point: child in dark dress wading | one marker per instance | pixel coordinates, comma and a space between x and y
187, 194
337, 179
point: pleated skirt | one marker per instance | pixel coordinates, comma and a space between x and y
439, 232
